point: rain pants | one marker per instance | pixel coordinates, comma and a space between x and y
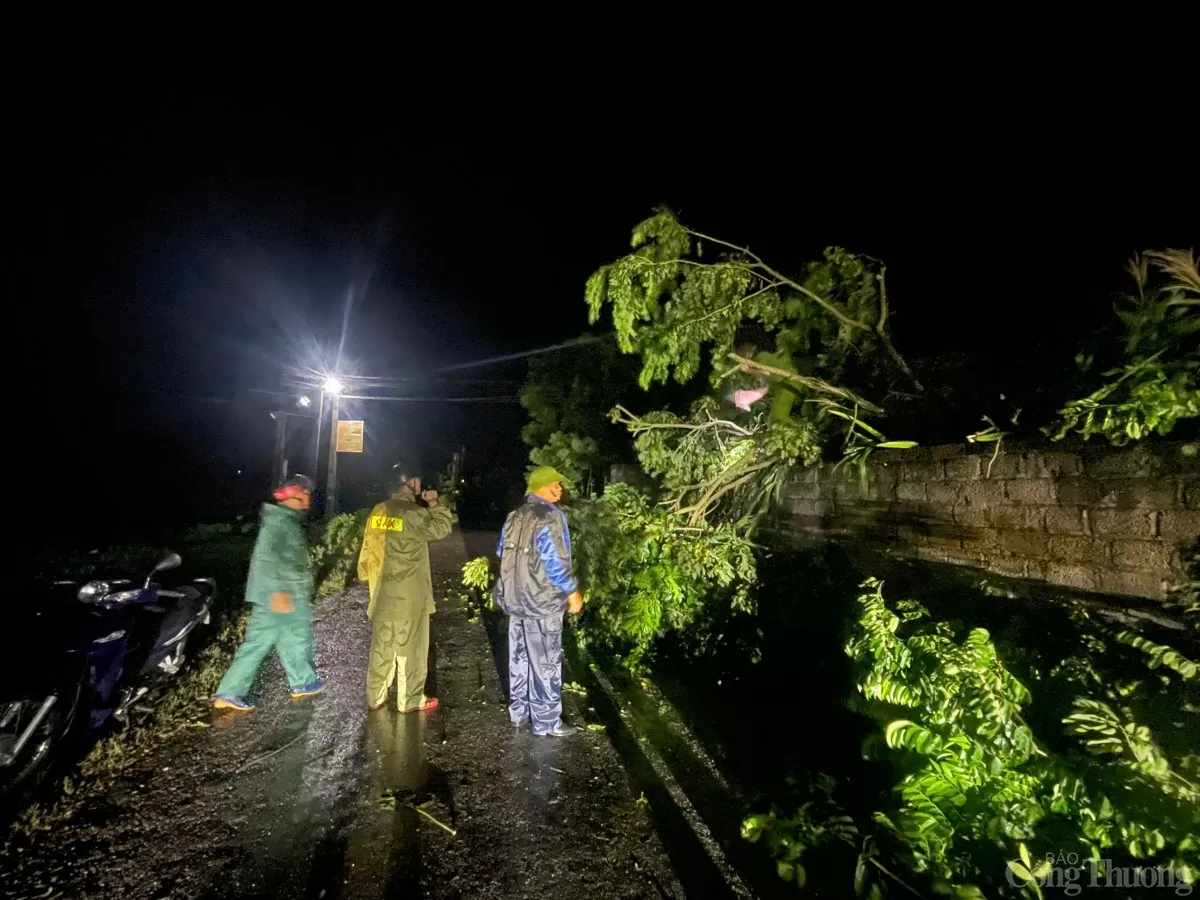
279, 564
536, 577
395, 562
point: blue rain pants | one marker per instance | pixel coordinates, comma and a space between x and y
535, 671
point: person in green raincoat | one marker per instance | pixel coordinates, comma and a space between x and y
395, 563
279, 590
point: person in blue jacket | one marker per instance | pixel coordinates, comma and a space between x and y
536, 585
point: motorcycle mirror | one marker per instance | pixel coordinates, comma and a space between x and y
170, 561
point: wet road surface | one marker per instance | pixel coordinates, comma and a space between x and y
320, 798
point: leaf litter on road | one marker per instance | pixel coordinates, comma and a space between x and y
390, 800
267, 756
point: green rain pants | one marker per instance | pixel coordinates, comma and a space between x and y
400, 653
288, 634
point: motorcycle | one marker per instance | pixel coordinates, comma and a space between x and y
94, 651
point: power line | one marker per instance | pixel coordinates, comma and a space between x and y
508, 357
312, 380
434, 399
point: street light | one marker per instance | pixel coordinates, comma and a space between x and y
333, 387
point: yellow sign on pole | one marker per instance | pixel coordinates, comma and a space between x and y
349, 436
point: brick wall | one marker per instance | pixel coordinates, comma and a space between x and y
1097, 519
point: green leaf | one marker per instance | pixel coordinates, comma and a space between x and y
861, 874
1020, 872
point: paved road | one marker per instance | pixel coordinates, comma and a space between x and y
210, 817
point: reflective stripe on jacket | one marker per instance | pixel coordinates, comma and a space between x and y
395, 556
536, 574
280, 562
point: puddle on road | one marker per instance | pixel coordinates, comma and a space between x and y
403, 775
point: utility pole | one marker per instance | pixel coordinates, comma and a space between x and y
331, 475
317, 436
280, 473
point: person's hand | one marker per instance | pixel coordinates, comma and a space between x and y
281, 602
575, 603
430, 497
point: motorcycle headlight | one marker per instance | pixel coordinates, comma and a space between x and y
93, 591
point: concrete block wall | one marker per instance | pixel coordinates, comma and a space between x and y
1096, 518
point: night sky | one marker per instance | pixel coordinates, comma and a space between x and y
186, 231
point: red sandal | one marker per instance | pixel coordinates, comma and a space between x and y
431, 703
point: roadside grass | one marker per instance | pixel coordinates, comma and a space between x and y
335, 549
186, 703
184, 706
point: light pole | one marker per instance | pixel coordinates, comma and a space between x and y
332, 387
317, 436
280, 473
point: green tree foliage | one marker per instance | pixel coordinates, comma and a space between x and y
976, 789
715, 469
819, 331
683, 556
668, 303
477, 574
567, 396
1155, 381
986, 774
335, 551
578, 458
570, 389
644, 573
816, 824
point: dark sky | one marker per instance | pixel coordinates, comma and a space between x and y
186, 227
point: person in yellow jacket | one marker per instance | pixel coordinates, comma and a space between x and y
395, 563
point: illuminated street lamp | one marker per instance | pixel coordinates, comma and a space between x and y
333, 387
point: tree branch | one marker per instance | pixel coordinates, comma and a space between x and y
718, 488
883, 301
880, 327
778, 279
734, 305
636, 424
829, 307
813, 384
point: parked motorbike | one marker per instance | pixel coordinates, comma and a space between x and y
92, 652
